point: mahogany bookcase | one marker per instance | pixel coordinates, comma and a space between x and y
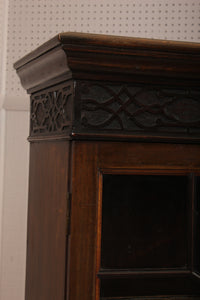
114, 187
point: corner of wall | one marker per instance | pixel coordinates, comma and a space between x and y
2, 156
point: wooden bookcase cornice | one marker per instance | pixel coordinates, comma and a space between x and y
87, 86
114, 58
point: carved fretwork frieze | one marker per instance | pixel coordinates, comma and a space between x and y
138, 109
51, 111
115, 109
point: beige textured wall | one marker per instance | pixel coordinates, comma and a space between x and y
26, 24
14, 206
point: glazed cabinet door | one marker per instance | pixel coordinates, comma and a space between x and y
135, 221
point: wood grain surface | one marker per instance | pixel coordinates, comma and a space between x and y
47, 240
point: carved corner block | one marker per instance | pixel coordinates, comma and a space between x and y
51, 111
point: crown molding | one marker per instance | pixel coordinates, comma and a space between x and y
102, 57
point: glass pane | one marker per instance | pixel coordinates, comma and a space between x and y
144, 221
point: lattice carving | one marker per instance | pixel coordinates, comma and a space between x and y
138, 108
51, 111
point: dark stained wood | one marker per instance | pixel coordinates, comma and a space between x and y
130, 111
51, 112
119, 158
120, 88
112, 106
149, 158
108, 42
47, 240
83, 228
101, 57
50, 44
115, 111
46, 261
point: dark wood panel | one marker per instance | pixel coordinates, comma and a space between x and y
46, 253
147, 156
83, 222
